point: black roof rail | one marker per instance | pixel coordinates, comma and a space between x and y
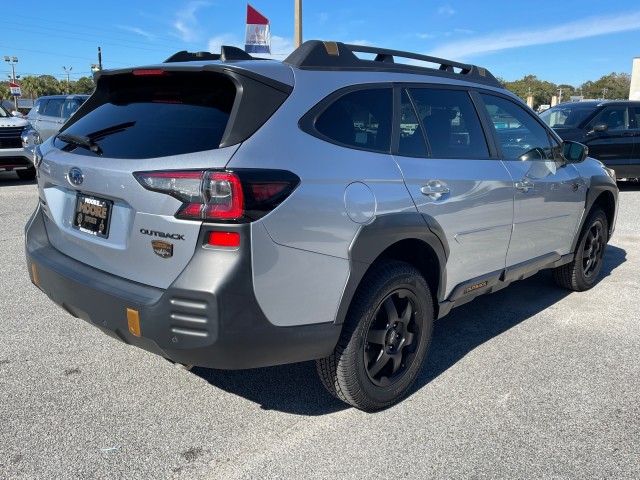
316, 54
227, 54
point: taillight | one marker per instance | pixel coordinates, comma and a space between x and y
239, 196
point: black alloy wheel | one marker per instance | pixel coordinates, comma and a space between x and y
392, 338
582, 272
384, 340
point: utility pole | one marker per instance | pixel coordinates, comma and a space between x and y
297, 19
68, 84
559, 95
12, 61
604, 93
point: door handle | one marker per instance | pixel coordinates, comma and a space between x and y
434, 189
524, 185
60, 121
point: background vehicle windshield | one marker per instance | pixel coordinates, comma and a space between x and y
4, 113
565, 116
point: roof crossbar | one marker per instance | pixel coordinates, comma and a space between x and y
315, 54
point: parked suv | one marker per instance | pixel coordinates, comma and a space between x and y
17, 141
49, 113
611, 130
228, 212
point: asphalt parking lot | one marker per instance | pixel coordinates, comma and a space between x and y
529, 382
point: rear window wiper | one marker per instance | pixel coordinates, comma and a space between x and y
81, 141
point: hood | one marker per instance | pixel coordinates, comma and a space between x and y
13, 122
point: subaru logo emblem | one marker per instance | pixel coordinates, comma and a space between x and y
75, 176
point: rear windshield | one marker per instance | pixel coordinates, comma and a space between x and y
147, 116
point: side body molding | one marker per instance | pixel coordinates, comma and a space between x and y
411, 234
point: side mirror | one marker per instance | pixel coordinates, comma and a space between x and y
16, 113
599, 128
574, 152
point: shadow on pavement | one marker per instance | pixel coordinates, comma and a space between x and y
629, 186
297, 389
11, 178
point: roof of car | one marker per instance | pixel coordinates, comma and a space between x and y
597, 103
337, 56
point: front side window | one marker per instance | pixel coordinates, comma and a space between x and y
518, 133
53, 108
617, 118
450, 123
360, 119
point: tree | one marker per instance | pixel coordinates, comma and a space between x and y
614, 86
541, 91
84, 85
567, 92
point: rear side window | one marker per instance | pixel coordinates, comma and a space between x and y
147, 116
450, 122
360, 119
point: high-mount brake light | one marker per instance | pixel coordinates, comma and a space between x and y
214, 195
150, 72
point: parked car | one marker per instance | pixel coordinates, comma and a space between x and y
611, 130
50, 112
17, 141
231, 213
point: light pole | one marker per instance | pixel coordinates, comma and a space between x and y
68, 72
297, 27
12, 61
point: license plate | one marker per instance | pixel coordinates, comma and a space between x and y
92, 215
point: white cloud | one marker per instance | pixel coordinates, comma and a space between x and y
425, 36
139, 31
584, 28
362, 43
216, 42
186, 22
446, 10
324, 17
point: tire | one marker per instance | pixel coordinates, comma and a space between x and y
384, 340
582, 273
28, 174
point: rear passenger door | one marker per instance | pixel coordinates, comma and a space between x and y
458, 185
50, 119
549, 193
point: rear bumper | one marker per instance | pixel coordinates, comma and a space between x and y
201, 319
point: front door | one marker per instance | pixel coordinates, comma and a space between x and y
549, 193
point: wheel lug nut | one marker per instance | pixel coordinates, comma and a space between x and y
397, 335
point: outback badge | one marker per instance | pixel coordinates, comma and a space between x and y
162, 249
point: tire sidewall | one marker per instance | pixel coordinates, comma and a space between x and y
597, 216
383, 396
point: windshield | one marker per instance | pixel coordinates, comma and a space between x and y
565, 115
3, 112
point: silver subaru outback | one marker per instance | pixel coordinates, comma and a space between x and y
231, 212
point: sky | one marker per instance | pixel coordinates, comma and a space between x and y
566, 42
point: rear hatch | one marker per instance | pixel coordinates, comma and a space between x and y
186, 118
